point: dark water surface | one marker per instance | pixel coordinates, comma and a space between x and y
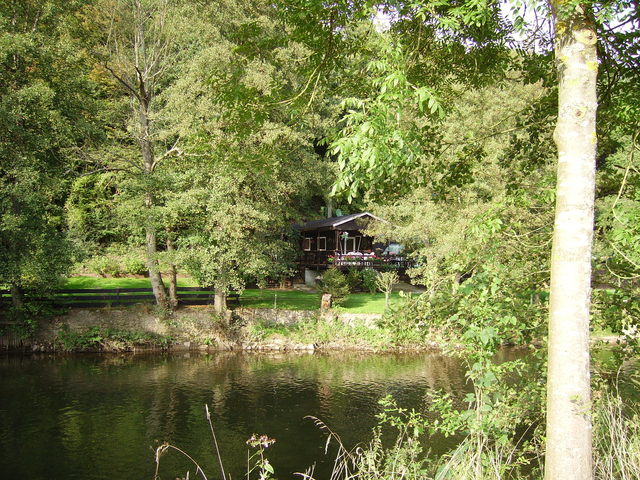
100, 417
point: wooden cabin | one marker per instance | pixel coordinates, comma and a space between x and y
339, 241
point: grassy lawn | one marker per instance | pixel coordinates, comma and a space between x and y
296, 300
123, 282
369, 302
252, 298
284, 299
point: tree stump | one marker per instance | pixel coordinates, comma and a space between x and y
325, 304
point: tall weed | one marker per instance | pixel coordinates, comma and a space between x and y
616, 429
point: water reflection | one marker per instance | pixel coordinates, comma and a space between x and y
100, 417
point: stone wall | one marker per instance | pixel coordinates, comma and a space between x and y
191, 327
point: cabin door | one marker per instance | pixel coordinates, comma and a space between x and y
351, 244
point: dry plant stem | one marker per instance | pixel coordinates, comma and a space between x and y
163, 448
344, 457
215, 442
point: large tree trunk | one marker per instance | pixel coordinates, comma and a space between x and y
220, 301
568, 450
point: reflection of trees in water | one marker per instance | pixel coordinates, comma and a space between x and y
97, 410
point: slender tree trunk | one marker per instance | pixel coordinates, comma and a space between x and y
17, 297
148, 158
568, 450
159, 290
173, 272
144, 96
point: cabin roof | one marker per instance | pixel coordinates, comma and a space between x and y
333, 222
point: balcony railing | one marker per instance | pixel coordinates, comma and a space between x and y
364, 260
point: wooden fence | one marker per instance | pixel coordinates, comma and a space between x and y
110, 297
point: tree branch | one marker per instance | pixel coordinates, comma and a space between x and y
123, 82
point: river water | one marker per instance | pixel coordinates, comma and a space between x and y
101, 416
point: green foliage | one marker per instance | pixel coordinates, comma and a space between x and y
89, 210
385, 281
260, 462
99, 338
369, 276
380, 142
45, 111
405, 454
319, 331
362, 279
25, 320
134, 265
117, 261
335, 283
354, 279
106, 266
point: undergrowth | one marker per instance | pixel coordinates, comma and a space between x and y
96, 339
321, 331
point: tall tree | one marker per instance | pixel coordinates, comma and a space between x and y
45, 111
568, 449
568, 398
136, 49
248, 162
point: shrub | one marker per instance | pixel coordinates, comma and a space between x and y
105, 265
385, 282
354, 279
98, 339
134, 265
335, 283
369, 276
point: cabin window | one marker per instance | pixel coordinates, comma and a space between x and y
351, 244
348, 243
306, 244
322, 243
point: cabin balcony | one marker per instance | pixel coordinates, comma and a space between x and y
369, 260
324, 259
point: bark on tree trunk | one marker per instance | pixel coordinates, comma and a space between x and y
148, 158
17, 298
568, 449
173, 273
159, 290
220, 301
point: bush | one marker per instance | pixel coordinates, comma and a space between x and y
134, 265
95, 339
369, 276
354, 279
105, 265
335, 283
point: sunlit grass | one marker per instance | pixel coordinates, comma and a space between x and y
283, 299
251, 298
119, 282
369, 302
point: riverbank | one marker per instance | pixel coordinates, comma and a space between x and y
139, 328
